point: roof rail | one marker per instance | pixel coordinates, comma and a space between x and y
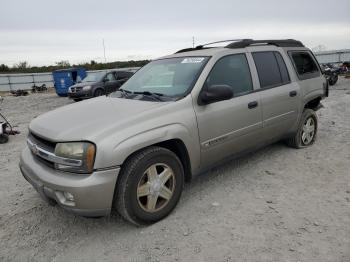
187, 50
198, 47
242, 43
223, 41
280, 43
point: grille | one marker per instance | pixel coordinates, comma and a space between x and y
75, 89
44, 161
44, 143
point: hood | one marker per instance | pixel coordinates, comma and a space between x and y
89, 120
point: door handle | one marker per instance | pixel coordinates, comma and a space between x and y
292, 93
252, 104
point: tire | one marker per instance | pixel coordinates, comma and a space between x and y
77, 99
139, 192
308, 122
4, 138
99, 92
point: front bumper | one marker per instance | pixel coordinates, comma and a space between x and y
93, 193
80, 94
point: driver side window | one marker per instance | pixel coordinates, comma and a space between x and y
232, 70
110, 77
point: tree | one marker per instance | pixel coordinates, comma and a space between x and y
63, 63
21, 65
4, 68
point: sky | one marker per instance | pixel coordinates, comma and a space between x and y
43, 32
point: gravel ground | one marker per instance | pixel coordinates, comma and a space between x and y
278, 204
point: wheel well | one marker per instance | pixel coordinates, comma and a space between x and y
313, 104
99, 88
179, 148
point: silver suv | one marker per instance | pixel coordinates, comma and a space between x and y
178, 116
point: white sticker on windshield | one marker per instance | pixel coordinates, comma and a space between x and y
191, 60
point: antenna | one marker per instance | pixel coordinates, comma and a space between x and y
104, 49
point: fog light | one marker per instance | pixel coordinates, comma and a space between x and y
65, 198
68, 196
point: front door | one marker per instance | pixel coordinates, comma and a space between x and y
230, 126
111, 83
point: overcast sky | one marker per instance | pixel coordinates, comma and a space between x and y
43, 31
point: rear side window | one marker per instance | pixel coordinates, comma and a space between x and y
123, 75
272, 70
304, 64
232, 70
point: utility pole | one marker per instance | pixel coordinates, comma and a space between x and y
104, 49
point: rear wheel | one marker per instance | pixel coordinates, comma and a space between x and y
99, 92
307, 130
150, 186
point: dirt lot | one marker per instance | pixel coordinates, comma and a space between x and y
278, 204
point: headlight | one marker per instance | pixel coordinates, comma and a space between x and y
86, 88
83, 151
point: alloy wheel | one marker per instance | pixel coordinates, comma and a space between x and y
308, 132
156, 187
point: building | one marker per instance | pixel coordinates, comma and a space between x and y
334, 56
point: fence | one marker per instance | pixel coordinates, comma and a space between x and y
10, 82
335, 56
24, 81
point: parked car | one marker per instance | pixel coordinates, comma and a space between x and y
98, 84
177, 117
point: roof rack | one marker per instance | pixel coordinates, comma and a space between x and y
242, 43
280, 43
222, 41
188, 50
198, 47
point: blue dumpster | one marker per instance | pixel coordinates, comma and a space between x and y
65, 78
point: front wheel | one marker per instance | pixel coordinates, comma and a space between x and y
150, 186
307, 130
99, 92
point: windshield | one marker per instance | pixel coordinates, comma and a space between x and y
171, 77
94, 77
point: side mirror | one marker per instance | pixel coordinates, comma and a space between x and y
105, 80
215, 93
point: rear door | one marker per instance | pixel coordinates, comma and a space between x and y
234, 125
280, 97
308, 72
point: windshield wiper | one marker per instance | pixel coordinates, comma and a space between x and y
156, 96
125, 92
